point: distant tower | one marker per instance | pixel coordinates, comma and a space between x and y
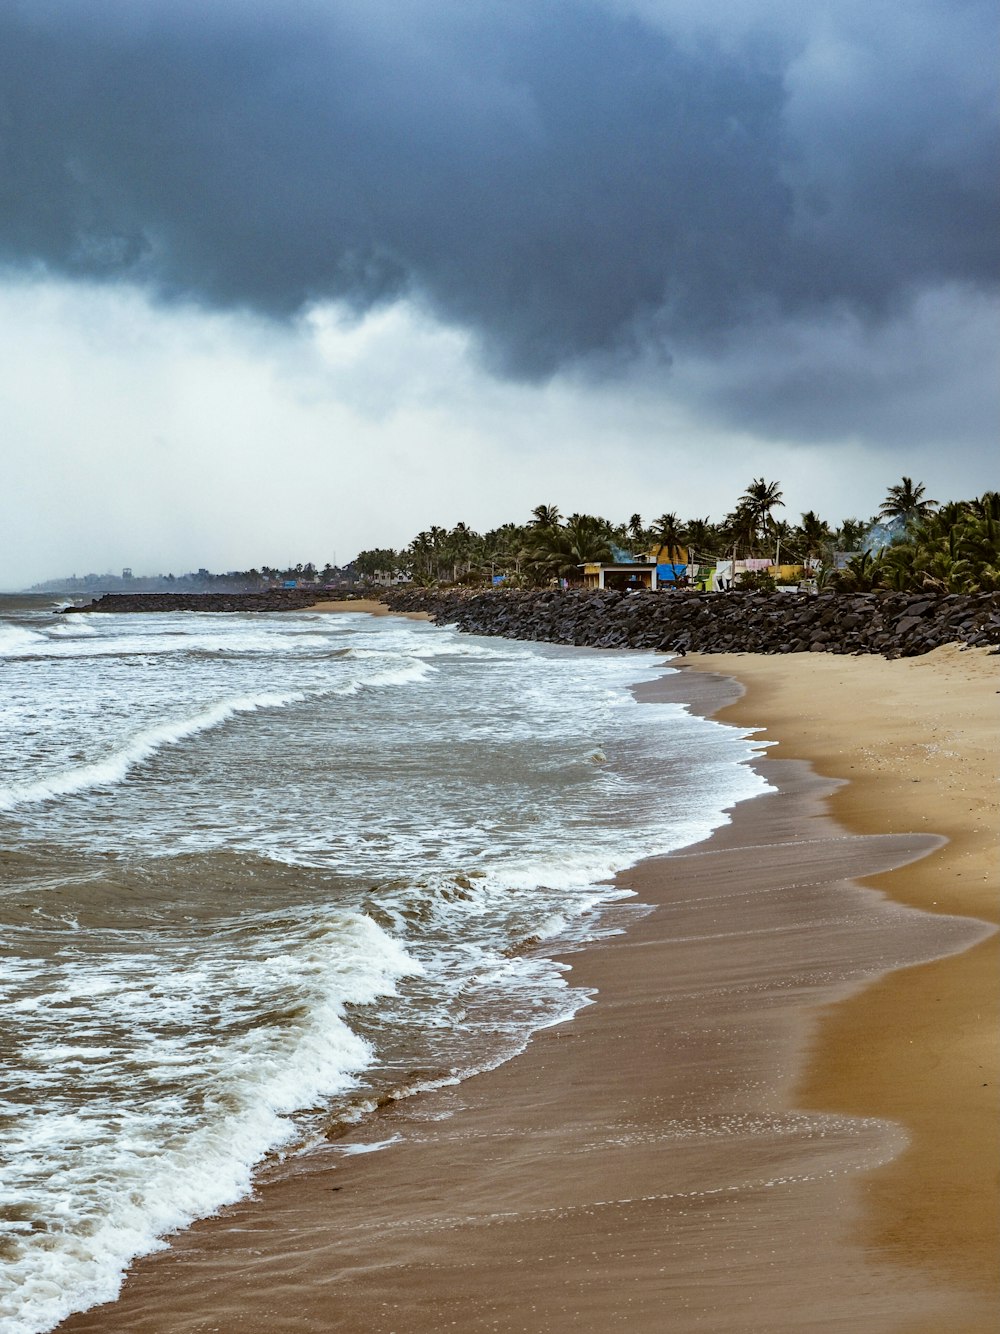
127, 572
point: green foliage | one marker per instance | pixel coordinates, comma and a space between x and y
849, 535
559, 551
955, 549
703, 538
756, 581
813, 536
862, 574
668, 538
379, 560
906, 501
545, 516
757, 502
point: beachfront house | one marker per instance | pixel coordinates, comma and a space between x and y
623, 576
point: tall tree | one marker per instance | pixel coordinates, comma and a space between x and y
814, 534
668, 537
741, 527
848, 536
702, 536
378, 560
906, 501
545, 516
761, 498
561, 550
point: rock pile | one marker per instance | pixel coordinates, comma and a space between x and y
892, 624
275, 599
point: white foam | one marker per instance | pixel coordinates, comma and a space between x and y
112, 1187
115, 768
375, 1146
114, 636
407, 673
74, 627
16, 641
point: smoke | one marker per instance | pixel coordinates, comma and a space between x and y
571, 182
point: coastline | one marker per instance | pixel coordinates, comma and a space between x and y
915, 741
648, 1161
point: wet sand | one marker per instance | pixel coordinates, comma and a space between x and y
704, 1147
918, 741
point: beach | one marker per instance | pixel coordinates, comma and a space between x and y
370, 605
916, 742
779, 1113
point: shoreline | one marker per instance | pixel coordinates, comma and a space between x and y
937, 1205
602, 1168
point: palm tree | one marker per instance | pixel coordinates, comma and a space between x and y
459, 548
636, 530
906, 502
500, 551
741, 527
439, 547
589, 536
814, 534
545, 516
987, 506
954, 549
561, 550
848, 536
421, 552
702, 536
862, 573
761, 498
668, 536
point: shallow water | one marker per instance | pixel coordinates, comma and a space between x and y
258, 871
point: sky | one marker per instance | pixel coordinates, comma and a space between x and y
279, 282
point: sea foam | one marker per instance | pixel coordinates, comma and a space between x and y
120, 1193
115, 768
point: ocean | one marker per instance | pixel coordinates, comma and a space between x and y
260, 873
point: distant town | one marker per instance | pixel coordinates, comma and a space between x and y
302, 575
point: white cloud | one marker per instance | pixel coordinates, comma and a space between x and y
171, 438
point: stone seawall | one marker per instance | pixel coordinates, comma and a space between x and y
891, 624
277, 599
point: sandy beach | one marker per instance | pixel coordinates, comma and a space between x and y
917, 742
369, 605
780, 1113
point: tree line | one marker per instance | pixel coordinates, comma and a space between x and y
948, 548
954, 547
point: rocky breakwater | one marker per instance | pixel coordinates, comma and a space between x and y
891, 624
276, 599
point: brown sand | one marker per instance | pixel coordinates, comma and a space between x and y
919, 740
644, 1167
368, 605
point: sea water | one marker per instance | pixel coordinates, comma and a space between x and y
258, 872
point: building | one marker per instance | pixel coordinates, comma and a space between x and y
624, 577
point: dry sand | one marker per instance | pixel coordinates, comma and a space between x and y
368, 605
703, 1149
919, 741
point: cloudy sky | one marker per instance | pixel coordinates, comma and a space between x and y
279, 281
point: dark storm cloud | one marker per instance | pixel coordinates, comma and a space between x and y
564, 179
